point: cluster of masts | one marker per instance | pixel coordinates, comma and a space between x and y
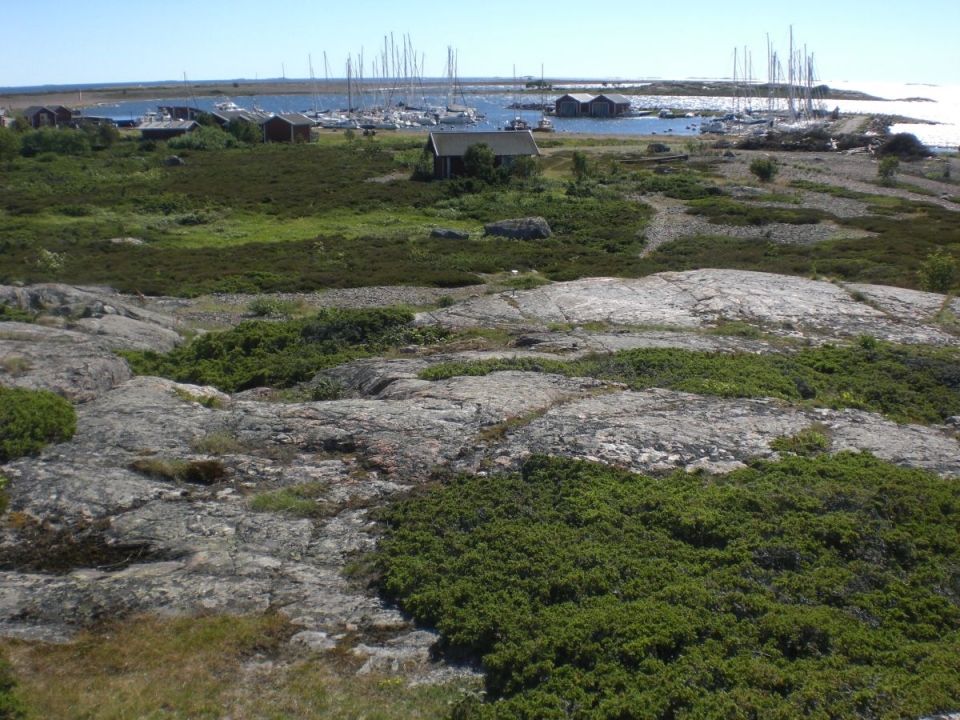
398, 95
793, 97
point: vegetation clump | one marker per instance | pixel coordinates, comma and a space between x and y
904, 384
31, 419
888, 168
905, 146
764, 169
939, 273
260, 353
809, 587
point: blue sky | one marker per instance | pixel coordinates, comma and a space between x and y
67, 42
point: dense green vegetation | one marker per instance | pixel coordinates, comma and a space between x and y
281, 354
343, 212
904, 384
31, 419
823, 587
331, 214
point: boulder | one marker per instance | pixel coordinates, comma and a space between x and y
449, 234
530, 228
173, 161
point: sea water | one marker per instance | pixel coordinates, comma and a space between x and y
936, 107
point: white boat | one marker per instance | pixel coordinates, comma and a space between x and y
456, 117
544, 124
227, 106
518, 123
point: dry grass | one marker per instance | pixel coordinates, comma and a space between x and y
207, 668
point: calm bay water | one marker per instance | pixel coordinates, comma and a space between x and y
940, 110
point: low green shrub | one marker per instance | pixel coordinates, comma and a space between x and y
723, 210
810, 587
939, 272
765, 169
810, 441
259, 353
31, 419
904, 384
204, 138
9, 313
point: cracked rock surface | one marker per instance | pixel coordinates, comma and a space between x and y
117, 532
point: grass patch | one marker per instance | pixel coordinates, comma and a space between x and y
812, 586
724, 211
198, 472
300, 501
302, 218
813, 440
211, 667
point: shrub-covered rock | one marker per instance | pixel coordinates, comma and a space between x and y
30, 419
905, 146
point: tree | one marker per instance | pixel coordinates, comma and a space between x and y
938, 273
764, 168
244, 131
525, 168
581, 165
888, 168
479, 162
9, 144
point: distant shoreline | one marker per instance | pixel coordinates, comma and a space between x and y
88, 96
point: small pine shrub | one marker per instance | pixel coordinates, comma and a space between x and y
764, 169
938, 273
888, 168
31, 419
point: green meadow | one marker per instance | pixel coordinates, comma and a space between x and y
345, 212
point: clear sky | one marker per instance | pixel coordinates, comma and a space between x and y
70, 42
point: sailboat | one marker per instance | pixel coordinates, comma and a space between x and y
455, 114
544, 124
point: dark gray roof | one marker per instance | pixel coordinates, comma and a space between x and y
251, 116
294, 118
579, 97
505, 142
170, 125
616, 98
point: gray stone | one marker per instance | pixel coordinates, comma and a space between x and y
449, 234
531, 228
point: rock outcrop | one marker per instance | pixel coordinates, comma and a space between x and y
531, 228
114, 529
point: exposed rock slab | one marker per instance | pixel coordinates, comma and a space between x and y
69, 363
698, 299
201, 548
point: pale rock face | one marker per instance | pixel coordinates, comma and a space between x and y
146, 544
